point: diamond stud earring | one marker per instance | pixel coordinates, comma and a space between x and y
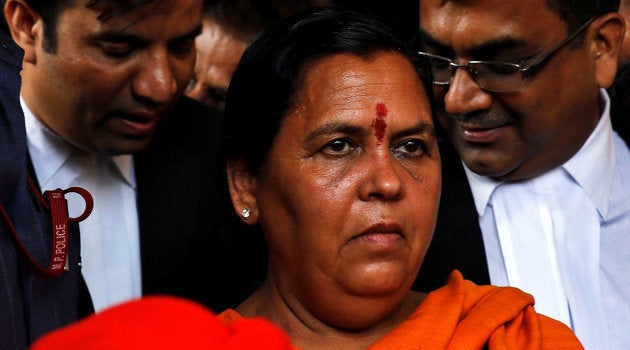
245, 213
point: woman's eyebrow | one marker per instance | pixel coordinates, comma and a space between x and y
334, 128
422, 128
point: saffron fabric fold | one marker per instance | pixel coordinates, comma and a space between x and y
462, 315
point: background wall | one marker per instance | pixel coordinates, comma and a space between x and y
402, 15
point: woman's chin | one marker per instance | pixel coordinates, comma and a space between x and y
380, 280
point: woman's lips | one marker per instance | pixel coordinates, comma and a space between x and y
380, 234
379, 238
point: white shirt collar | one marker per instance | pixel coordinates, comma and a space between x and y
49, 151
592, 167
481, 187
124, 163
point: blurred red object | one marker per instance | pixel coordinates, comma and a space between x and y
161, 322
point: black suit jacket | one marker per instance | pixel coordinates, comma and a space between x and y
457, 240
620, 102
186, 247
29, 305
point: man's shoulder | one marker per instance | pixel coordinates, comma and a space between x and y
10, 65
10, 52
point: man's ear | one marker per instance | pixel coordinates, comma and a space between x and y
606, 48
26, 27
241, 184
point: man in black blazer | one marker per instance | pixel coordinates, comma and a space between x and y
102, 97
31, 303
534, 177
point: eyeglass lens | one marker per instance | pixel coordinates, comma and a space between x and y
493, 76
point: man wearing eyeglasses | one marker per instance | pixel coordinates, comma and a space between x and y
536, 190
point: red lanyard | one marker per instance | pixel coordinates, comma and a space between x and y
55, 201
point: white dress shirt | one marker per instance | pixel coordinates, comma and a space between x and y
110, 247
564, 237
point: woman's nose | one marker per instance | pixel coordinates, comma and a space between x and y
382, 180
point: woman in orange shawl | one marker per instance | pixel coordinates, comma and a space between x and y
332, 153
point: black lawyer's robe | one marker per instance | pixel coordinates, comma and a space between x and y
187, 248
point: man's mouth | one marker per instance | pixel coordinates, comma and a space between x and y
137, 124
478, 128
477, 135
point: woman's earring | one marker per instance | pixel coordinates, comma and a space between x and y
245, 213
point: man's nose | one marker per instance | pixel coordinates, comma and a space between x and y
155, 80
464, 95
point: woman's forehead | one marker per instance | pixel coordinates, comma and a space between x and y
346, 79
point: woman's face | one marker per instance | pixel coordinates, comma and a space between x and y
348, 196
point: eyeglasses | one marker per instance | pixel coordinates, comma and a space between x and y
493, 76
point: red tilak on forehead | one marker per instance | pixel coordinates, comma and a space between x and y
379, 123
381, 110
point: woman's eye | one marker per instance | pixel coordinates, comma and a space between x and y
410, 148
338, 147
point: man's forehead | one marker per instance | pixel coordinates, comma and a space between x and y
469, 25
138, 10
488, 11
112, 8
163, 18
478, 48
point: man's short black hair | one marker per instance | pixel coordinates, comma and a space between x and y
577, 12
49, 10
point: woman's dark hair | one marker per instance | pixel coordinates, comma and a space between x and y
264, 85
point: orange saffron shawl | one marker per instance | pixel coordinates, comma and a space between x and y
463, 315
